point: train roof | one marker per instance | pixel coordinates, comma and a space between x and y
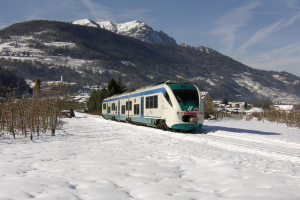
164, 82
156, 84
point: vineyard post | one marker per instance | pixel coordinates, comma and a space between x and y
24, 119
12, 123
36, 91
2, 120
54, 122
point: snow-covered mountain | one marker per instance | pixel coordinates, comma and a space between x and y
135, 29
141, 31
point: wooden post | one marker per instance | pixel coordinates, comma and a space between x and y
12, 124
38, 124
25, 132
54, 122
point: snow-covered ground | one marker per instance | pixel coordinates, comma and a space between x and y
92, 158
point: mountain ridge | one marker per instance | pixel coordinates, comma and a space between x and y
135, 29
140, 31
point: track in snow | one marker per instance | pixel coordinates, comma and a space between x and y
290, 149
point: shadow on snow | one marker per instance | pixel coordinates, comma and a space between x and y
206, 129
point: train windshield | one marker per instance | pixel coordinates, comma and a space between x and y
187, 96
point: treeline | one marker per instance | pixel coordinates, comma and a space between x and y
290, 118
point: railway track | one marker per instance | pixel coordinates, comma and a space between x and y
260, 143
290, 149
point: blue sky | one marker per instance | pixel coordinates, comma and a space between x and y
263, 34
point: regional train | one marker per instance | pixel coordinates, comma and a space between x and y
168, 105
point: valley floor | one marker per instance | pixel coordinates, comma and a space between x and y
92, 158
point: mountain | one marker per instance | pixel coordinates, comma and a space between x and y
89, 56
140, 31
133, 29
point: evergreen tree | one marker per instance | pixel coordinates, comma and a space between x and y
115, 88
225, 101
245, 105
112, 88
100, 97
92, 102
263, 103
122, 88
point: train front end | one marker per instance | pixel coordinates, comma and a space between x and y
189, 111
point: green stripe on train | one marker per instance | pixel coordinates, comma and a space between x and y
187, 126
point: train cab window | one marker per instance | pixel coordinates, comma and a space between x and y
187, 96
129, 105
113, 106
152, 102
104, 106
168, 98
123, 109
136, 109
108, 110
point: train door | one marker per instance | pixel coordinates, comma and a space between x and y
119, 109
107, 109
142, 109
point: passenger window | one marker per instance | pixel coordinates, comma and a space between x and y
152, 102
129, 105
136, 109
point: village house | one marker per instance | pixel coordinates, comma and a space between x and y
284, 108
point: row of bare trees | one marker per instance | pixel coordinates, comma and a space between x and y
33, 114
290, 118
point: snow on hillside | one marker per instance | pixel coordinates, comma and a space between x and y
92, 158
274, 94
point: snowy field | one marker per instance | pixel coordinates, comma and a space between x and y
92, 158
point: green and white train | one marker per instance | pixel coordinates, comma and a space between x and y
168, 105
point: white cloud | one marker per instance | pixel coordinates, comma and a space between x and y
103, 13
98, 11
294, 4
233, 21
262, 33
286, 58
